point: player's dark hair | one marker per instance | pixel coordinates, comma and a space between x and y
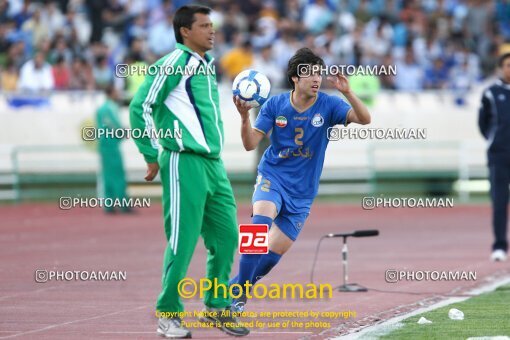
502, 59
185, 17
303, 56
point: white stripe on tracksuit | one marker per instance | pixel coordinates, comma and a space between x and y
175, 199
154, 90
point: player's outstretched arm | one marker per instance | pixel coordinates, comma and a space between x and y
359, 112
251, 137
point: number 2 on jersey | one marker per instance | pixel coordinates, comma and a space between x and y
299, 136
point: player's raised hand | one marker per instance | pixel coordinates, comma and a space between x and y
152, 171
340, 82
242, 107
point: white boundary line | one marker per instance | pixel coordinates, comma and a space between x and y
252, 332
380, 329
126, 332
282, 332
71, 322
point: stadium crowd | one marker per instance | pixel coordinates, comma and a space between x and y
75, 44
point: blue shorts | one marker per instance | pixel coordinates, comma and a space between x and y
291, 212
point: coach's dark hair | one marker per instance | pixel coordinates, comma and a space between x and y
185, 17
502, 59
303, 56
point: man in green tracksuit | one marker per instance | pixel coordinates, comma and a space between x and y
197, 196
113, 178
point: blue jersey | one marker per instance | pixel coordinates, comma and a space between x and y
298, 141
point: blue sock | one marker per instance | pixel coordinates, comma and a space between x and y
248, 262
264, 266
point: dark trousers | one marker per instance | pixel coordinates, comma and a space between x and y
500, 180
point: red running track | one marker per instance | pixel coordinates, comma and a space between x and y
40, 236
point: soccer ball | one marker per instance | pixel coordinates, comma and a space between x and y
252, 87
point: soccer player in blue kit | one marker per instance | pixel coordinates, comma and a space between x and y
290, 169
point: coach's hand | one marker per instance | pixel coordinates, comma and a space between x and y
152, 171
242, 107
341, 83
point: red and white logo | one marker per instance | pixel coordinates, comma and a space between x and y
253, 239
281, 121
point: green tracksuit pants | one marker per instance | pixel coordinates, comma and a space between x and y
197, 201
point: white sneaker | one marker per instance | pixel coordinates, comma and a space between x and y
225, 320
172, 328
498, 255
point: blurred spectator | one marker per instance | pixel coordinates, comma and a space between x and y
139, 50
16, 54
53, 18
81, 75
36, 28
478, 16
95, 16
4, 41
136, 7
266, 32
235, 22
9, 77
251, 9
377, 40
60, 49
217, 15
237, 60
4, 9
461, 81
160, 12
36, 75
460, 34
162, 37
409, 74
102, 73
264, 62
503, 17
76, 28
269, 10
220, 47
388, 80
293, 11
487, 63
317, 16
347, 47
61, 74
115, 15
21, 15
285, 47
436, 77
362, 13
462, 56
134, 81
414, 16
138, 29
431, 48
326, 42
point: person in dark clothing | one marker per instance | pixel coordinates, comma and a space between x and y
494, 123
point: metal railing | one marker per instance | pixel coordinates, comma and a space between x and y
412, 158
